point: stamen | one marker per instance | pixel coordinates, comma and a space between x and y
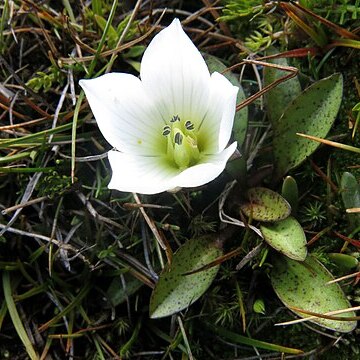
178, 138
166, 130
175, 118
189, 125
182, 147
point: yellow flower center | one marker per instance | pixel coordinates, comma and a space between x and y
182, 147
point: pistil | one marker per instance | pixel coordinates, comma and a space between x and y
182, 146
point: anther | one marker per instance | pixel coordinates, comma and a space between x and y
166, 130
189, 125
175, 118
178, 138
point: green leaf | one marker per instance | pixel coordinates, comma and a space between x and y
344, 262
287, 237
117, 293
131, 31
97, 7
290, 192
112, 34
175, 291
278, 98
312, 112
241, 117
350, 193
259, 306
135, 64
265, 205
134, 52
304, 285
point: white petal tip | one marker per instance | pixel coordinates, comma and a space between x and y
83, 82
176, 23
87, 85
174, 190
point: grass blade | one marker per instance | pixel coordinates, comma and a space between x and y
18, 325
244, 340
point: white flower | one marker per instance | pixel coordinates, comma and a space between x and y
171, 128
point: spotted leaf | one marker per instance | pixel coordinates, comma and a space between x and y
265, 205
304, 285
313, 113
287, 237
175, 289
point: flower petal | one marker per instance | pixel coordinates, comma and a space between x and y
126, 117
141, 174
209, 169
152, 175
215, 130
175, 75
